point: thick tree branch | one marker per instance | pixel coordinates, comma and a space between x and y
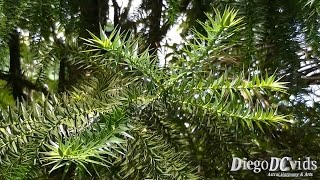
24, 82
4, 76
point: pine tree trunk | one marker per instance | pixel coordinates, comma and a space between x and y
89, 17
15, 65
155, 34
103, 11
62, 75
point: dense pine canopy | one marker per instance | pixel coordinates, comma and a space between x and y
101, 89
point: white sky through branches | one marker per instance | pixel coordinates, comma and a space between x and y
173, 35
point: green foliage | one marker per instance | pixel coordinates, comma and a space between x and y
194, 88
77, 136
59, 134
5, 96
